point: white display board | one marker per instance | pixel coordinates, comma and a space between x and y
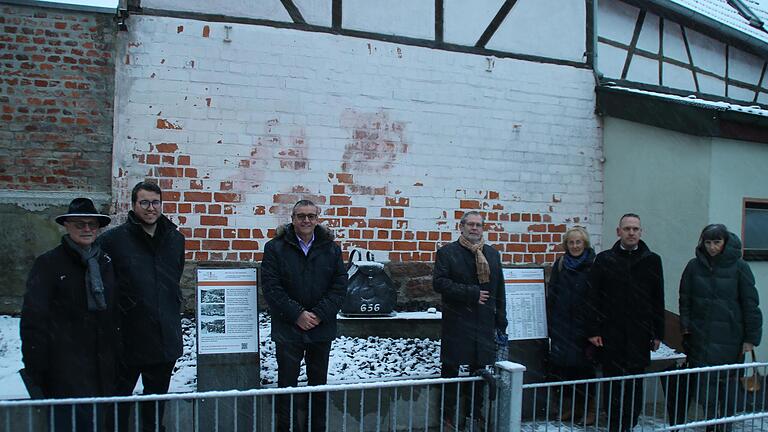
227, 318
526, 303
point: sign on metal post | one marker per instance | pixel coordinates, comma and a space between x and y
226, 309
526, 303
227, 344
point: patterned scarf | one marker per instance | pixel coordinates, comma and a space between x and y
94, 286
483, 270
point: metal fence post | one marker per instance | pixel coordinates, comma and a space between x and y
510, 396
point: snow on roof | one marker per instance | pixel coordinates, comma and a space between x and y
696, 101
721, 11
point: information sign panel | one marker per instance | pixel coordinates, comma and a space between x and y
227, 319
526, 303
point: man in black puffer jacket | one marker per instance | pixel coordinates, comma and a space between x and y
626, 289
148, 254
304, 283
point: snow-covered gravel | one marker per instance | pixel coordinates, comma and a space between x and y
352, 359
10, 349
360, 359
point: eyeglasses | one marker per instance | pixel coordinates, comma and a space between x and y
80, 225
307, 216
146, 203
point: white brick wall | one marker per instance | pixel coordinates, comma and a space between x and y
275, 111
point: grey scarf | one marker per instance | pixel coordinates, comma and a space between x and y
94, 287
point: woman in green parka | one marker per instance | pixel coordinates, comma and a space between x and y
719, 314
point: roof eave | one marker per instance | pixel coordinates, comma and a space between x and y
682, 117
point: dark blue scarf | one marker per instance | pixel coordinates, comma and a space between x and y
572, 263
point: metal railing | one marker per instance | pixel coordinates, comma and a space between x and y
376, 406
706, 398
701, 398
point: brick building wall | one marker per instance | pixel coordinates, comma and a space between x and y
393, 142
56, 125
56, 95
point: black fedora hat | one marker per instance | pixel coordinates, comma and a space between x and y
83, 207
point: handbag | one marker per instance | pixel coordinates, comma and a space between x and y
752, 383
370, 290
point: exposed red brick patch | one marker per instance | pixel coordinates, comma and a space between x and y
226, 197
206, 31
213, 220
469, 204
215, 244
165, 124
344, 178
375, 142
166, 147
197, 196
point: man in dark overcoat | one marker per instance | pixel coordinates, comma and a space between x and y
304, 283
468, 275
626, 291
68, 320
148, 253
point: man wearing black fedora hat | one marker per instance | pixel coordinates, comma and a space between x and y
148, 252
69, 333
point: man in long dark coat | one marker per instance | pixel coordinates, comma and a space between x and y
69, 323
468, 275
148, 253
626, 289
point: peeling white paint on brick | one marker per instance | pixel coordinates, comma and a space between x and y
363, 126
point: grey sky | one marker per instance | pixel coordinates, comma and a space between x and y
99, 3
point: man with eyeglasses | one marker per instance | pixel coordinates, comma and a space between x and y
304, 283
68, 321
469, 278
148, 253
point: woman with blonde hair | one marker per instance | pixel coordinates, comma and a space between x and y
566, 297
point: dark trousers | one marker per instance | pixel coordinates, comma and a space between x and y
717, 393
78, 418
623, 398
289, 356
155, 378
468, 401
573, 395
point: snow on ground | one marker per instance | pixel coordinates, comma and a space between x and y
352, 359
10, 346
358, 359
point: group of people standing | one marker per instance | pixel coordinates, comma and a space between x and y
101, 312
608, 309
